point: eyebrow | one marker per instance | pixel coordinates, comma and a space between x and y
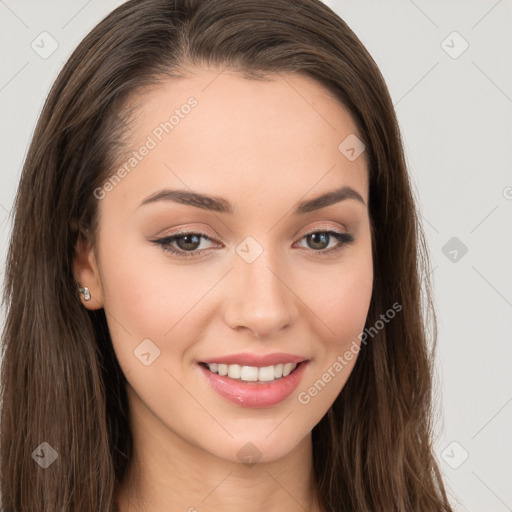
221, 205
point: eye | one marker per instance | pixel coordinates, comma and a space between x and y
327, 242
188, 244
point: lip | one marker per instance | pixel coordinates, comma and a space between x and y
255, 394
257, 360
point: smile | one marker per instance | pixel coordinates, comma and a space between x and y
254, 386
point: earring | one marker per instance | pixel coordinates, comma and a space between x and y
86, 292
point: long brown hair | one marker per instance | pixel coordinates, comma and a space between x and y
61, 383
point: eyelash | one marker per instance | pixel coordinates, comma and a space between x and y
165, 242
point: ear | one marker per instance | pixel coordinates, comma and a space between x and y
86, 271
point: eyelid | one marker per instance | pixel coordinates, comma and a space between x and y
189, 230
325, 227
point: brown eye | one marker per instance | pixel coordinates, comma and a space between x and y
188, 242
184, 245
319, 241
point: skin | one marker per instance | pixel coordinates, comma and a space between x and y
264, 145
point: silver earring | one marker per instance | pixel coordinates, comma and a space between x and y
86, 292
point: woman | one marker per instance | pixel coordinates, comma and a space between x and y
213, 283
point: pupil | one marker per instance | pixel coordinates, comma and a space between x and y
319, 238
188, 241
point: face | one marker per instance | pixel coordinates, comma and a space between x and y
253, 276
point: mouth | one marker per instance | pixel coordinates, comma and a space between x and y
254, 386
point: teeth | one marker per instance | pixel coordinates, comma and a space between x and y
249, 373
267, 374
287, 368
253, 373
234, 371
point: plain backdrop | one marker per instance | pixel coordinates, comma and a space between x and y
448, 66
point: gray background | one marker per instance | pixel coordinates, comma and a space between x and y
455, 114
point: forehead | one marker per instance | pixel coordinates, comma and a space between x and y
216, 129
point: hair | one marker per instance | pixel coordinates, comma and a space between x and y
61, 382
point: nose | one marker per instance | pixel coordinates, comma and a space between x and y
261, 301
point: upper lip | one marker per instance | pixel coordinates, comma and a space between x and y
256, 359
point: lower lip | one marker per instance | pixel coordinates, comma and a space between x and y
255, 394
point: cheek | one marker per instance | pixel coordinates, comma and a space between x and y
147, 297
340, 297
345, 303
342, 311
